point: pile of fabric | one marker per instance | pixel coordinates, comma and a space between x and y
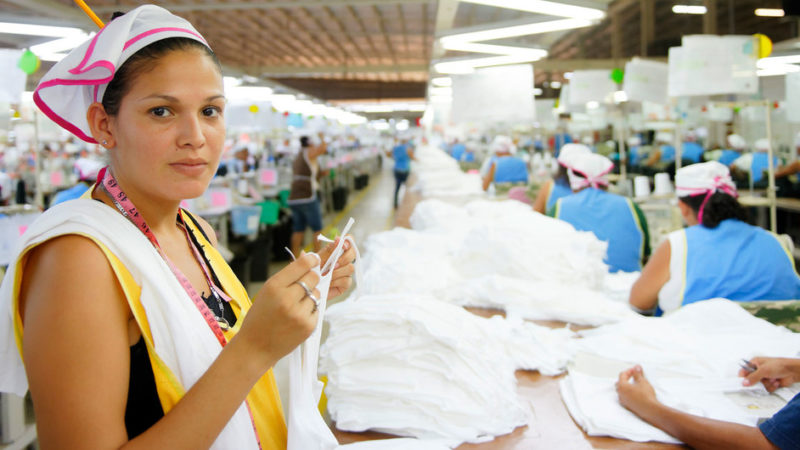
410, 365
498, 254
438, 174
692, 359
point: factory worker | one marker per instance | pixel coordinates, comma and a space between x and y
781, 431
755, 164
691, 150
503, 166
635, 154
457, 149
786, 176
718, 255
611, 217
556, 188
664, 151
736, 145
131, 326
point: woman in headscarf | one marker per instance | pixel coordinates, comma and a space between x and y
503, 166
557, 188
611, 217
718, 255
132, 328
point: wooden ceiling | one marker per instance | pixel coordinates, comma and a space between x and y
382, 49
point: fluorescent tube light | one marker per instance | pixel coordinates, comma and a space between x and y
38, 30
533, 53
769, 12
537, 91
689, 9
442, 81
517, 30
555, 84
545, 7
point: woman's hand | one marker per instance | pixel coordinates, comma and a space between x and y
341, 279
774, 373
636, 395
282, 315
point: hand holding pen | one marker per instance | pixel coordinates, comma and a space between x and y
774, 373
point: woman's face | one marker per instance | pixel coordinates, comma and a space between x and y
169, 130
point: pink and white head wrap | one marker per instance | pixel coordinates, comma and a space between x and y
80, 79
704, 179
588, 170
569, 151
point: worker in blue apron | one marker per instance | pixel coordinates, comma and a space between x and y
718, 255
611, 217
558, 187
503, 166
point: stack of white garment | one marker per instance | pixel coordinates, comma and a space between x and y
496, 254
414, 366
691, 357
438, 174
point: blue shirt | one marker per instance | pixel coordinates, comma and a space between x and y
692, 151
613, 219
559, 189
729, 156
559, 140
760, 164
739, 262
667, 153
457, 150
508, 169
402, 162
70, 194
783, 429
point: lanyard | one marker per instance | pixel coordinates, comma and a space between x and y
126, 207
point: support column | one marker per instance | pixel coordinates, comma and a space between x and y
648, 25
710, 17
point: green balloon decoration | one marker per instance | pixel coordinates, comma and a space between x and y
617, 75
29, 62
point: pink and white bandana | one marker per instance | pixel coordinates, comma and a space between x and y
569, 151
80, 79
588, 170
704, 179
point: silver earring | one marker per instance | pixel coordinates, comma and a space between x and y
105, 142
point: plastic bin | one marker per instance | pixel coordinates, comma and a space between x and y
269, 211
245, 219
283, 197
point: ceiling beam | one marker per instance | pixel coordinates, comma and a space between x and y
567, 65
344, 69
242, 6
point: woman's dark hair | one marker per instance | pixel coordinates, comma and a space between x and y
305, 142
719, 207
142, 61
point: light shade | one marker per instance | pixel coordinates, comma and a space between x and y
689, 9
545, 7
769, 12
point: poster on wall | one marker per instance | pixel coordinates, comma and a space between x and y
494, 95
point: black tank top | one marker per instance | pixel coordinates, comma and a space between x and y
143, 408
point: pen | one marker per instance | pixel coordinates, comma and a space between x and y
748, 366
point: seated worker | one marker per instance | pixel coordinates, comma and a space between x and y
781, 431
635, 154
503, 166
661, 156
736, 146
718, 255
786, 176
557, 188
457, 150
611, 217
753, 166
87, 170
692, 152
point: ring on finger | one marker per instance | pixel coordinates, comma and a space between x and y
316, 302
305, 287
